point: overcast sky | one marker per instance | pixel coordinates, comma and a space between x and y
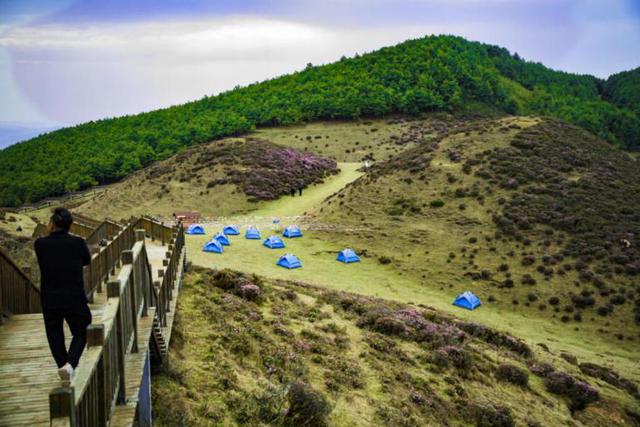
65, 62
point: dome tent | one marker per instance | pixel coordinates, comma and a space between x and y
213, 246
289, 261
195, 229
292, 231
252, 233
274, 242
231, 230
222, 238
348, 256
467, 300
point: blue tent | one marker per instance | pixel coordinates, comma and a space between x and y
252, 233
195, 229
289, 261
347, 256
467, 300
213, 246
231, 230
292, 231
273, 242
222, 238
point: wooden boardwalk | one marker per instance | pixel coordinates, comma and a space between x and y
28, 373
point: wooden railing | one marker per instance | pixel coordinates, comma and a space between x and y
105, 230
105, 260
163, 288
156, 230
101, 378
85, 220
78, 229
18, 295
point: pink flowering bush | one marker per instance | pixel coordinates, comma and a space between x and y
271, 171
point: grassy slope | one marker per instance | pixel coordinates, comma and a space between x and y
420, 273
232, 361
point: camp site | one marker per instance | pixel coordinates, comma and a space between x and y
390, 213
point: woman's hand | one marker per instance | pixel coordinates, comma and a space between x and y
50, 228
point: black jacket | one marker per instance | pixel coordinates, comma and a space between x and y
61, 257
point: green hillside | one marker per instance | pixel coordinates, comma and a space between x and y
252, 351
623, 90
432, 73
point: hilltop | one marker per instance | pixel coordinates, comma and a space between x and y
537, 215
436, 73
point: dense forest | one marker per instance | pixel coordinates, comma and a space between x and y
623, 89
431, 73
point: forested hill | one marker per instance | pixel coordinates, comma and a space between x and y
431, 73
623, 90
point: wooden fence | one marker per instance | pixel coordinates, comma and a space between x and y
106, 259
78, 229
99, 389
18, 295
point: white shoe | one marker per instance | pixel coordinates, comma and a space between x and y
66, 374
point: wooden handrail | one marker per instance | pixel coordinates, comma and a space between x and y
101, 378
18, 294
76, 228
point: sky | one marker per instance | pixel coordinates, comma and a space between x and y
67, 62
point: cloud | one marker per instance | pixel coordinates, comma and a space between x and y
77, 71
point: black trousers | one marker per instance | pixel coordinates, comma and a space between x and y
78, 318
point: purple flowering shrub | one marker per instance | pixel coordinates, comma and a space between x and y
270, 171
239, 284
580, 394
497, 338
451, 355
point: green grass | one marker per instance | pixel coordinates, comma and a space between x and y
288, 206
232, 360
418, 273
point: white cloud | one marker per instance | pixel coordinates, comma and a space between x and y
75, 73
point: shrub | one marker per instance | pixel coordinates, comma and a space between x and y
489, 415
389, 326
307, 406
384, 260
457, 357
528, 260
580, 394
496, 338
512, 374
610, 376
436, 203
554, 301
583, 301
528, 280
604, 310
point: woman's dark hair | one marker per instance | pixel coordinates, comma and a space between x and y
62, 219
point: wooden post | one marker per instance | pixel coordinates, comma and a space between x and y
127, 257
134, 311
62, 408
113, 289
165, 262
121, 348
95, 335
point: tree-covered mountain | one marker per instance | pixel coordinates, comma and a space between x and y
431, 73
623, 90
